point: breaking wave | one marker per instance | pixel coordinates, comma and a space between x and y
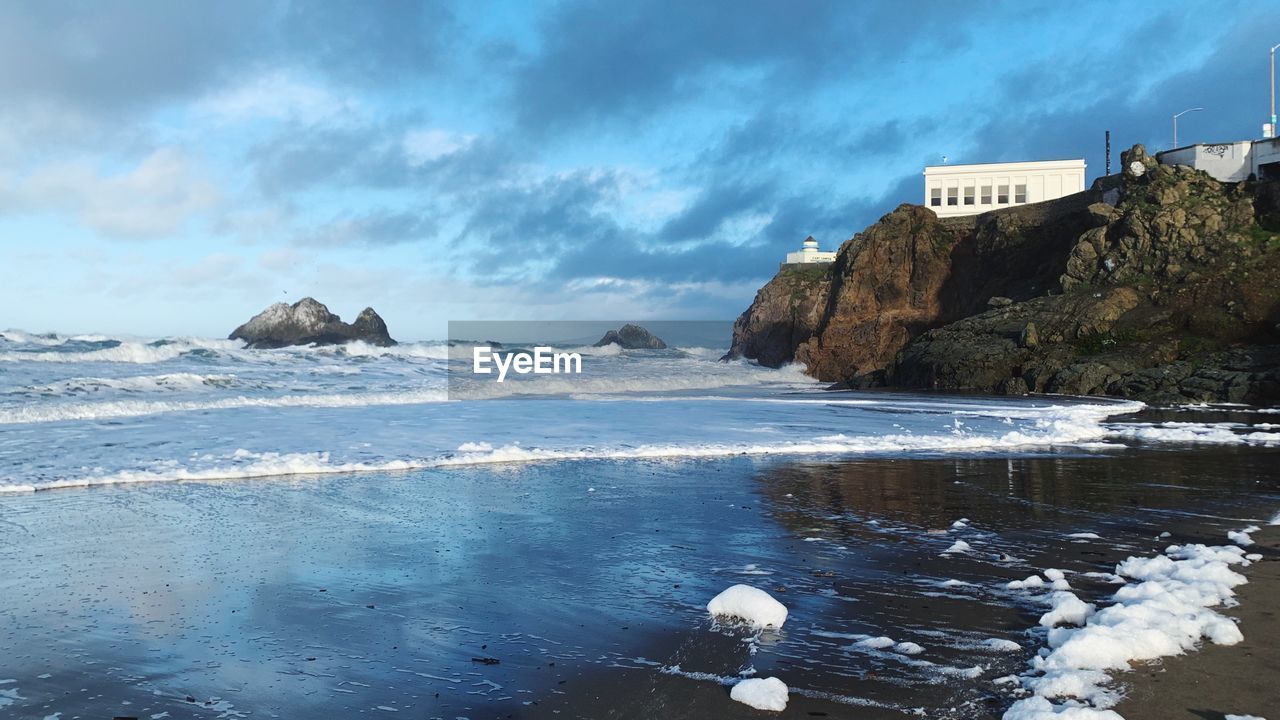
135, 408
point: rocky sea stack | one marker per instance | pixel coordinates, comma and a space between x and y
309, 322
1161, 284
632, 337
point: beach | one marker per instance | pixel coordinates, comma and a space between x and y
578, 588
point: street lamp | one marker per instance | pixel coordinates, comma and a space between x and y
1175, 121
1273, 89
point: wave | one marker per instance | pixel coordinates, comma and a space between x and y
1065, 426
70, 349
137, 383
676, 378
31, 414
359, 348
126, 352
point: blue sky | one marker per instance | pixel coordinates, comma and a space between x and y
172, 168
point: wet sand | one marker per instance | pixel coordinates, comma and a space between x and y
1216, 681
586, 582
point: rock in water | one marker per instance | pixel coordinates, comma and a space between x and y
309, 322
632, 337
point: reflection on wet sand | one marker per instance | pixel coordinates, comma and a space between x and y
579, 589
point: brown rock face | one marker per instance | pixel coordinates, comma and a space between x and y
885, 288
785, 313
913, 271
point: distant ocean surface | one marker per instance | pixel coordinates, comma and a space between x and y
93, 410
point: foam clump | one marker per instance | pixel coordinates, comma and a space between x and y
1066, 608
1037, 708
876, 643
751, 605
761, 693
958, 546
1032, 581
1002, 645
1241, 537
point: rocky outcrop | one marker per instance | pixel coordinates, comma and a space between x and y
886, 286
309, 322
1159, 284
786, 312
909, 272
632, 337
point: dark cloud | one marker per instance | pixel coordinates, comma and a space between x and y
1231, 84
632, 60
362, 42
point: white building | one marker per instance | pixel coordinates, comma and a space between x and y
1229, 162
809, 253
951, 190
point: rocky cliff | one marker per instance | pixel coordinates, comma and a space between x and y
1161, 284
309, 322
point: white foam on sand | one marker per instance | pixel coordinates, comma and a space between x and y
761, 693
1241, 537
882, 646
1195, 433
752, 605
1165, 609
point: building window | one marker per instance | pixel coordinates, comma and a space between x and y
953, 196
968, 195
1019, 193
986, 194
1002, 197
935, 197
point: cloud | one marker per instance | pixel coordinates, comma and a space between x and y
1229, 81
156, 198
358, 43
608, 61
118, 55
279, 95
373, 228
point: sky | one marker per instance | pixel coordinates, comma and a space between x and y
172, 168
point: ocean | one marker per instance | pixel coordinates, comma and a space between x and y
190, 528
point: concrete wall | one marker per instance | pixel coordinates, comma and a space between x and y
808, 255
951, 190
1266, 152
1228, 162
